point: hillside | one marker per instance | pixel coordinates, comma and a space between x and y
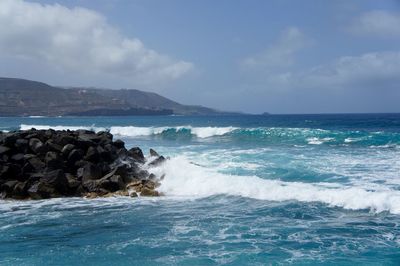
20, 97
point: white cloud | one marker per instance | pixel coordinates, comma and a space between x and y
280, 54
367, 70
82, 41
377, 23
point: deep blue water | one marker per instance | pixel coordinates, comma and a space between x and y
241, 190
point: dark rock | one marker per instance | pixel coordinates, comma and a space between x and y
4, 150
74, 156
9, 186
91, 172
53, 160
157, 161
56, 179
53, 146
36, 163
112, 183
73, 182
37, 146
21, 145
137, 154
65, 151
40, 190
19, 157
92, 155
119, 144
20, 190
153, 153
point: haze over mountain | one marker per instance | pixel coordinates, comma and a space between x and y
20, 97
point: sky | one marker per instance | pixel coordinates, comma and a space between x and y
275, 56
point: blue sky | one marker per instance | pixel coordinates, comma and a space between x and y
252, 56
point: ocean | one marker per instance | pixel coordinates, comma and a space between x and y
239, 190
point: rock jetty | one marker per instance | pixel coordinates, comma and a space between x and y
40, 164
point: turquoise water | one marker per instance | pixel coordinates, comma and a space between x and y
243, 190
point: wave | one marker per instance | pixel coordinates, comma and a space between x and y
294, 136
185, 179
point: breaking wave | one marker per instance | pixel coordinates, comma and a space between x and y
185, 179
296, 136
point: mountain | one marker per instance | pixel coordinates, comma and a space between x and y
20, 97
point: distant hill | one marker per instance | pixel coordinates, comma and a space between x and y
20, 97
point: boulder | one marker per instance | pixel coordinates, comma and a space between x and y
158, 161
53, 160
37, 146
92, 155
153, 153
137, 154
4, 149
119, 144
56, 179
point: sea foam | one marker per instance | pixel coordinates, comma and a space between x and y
186, 179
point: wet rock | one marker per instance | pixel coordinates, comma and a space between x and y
91, 172
146, 192
41, 164
119, 144
158, 161
137, 154
153, 153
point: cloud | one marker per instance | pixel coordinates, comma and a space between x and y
82, 41
379, 70
280, 54
377, 23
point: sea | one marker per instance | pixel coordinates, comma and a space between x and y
239, 190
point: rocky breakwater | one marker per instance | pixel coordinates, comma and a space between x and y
39, 164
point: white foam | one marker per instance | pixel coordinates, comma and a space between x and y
200, 132
318, 141
205, 132
188, 180
133, 131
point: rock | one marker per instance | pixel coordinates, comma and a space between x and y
9, 186
53, 160
133, 195
51, 146
41, 164
146, 192
56, 179
21, 145
20, 190
36, 163
40, 190
4, 150
137, 154
73, 182
19, 157
156, 162
119, 144
92, 155
112, 183
91, 172
37, 146
74, 156
153, 153
65, 151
